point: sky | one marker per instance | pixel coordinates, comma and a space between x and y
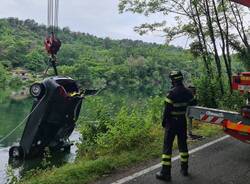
97, 17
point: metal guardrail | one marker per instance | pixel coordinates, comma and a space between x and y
197, 112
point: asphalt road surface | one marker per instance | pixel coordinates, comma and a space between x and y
223, 162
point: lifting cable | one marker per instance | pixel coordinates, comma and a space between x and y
52, 44
53, 14
22, 122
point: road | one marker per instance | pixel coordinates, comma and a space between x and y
224, 162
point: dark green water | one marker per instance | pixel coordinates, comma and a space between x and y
11, 115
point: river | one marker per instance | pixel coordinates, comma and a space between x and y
11, 114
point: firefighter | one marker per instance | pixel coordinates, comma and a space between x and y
175, 124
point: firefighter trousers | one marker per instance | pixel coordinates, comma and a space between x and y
177, 128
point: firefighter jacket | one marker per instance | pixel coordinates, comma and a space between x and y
176, 103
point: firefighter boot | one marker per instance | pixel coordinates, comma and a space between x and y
165, 173
184, 168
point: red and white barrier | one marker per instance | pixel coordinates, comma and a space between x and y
212, 119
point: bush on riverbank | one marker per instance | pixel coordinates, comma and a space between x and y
114, 132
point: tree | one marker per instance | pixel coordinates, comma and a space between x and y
35, 60
209, 23
3, 78
123, 66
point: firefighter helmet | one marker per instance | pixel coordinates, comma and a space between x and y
176, 76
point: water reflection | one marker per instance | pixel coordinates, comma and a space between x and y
11, 114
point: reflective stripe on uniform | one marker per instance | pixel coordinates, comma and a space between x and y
184, 156
166, 159
178, 77
168, 101
178, 113
166, 156
180, 104
166, 163
184, 159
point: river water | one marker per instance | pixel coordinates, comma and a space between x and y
11, 114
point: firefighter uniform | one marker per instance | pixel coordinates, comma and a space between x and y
175, 124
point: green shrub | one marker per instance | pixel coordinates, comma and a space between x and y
130, 130
154, 109
124, 127
232, 101
208, 91
93, 124
209, 95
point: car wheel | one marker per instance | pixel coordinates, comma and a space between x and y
16, 152
37, 90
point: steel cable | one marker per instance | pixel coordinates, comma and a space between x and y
56, 14
22, 122
53, 14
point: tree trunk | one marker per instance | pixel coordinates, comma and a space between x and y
201, 37
213, 40
223, 41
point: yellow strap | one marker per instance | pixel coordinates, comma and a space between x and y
168, 101
73, 94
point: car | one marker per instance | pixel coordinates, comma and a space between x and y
56, 107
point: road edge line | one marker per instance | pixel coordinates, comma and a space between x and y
157, 166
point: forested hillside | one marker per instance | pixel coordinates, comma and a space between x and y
122, 65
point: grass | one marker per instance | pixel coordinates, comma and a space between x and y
84, 171
206, 129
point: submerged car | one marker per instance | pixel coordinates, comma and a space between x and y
56, 107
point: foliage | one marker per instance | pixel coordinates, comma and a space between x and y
4, 79
93, 123
207, 91
208, 96
123, 66
129, 131
86, 171
217, 29
125, 127
12, 178
232, 101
